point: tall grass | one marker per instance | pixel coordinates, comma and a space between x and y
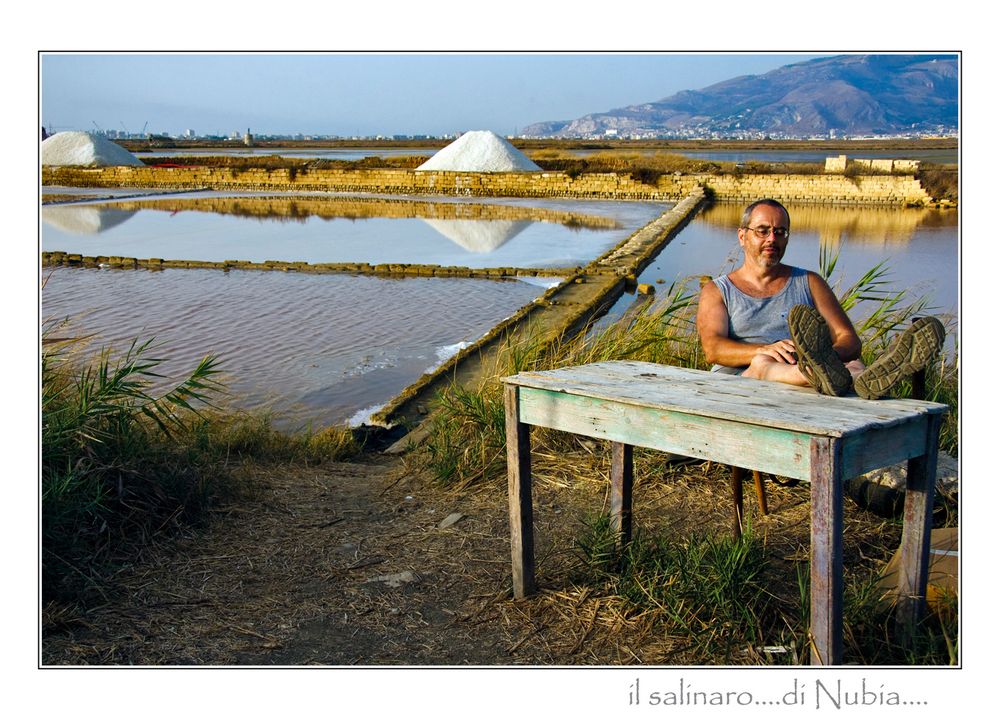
710, 592
121, 462
716, 599
107, 467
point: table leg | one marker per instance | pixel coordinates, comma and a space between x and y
827, 552
761, 487
921, 481
622, 477
522, 542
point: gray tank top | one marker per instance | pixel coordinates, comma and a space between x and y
761, 320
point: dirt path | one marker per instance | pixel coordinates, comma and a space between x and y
293, 576
348, 564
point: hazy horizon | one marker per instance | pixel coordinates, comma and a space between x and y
365, 94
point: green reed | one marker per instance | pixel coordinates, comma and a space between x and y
122, 461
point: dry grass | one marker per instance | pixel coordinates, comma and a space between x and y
647, 168
940, 181
287, 575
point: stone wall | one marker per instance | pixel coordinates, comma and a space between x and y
832, 189
841, 164
870, 189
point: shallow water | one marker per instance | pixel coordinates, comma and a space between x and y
919, 246
186, 231
326, 348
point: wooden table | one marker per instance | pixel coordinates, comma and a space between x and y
774, 428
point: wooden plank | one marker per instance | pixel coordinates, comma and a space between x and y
622, 478
725, 396
921, 481
881, 447
734, 443
522, 542
827, 553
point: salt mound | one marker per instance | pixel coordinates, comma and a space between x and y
80, 148
480, 151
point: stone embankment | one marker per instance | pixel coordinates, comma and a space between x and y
57, 257
581, 298
886, 189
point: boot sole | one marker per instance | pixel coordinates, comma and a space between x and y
818, 361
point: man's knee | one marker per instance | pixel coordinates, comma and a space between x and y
759, 367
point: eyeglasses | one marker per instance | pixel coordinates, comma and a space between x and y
763, 231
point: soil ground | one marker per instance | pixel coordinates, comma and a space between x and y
347, 564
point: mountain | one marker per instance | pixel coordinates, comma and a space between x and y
847, 94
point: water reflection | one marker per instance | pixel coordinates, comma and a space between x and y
394, 230
300, 207
919, 247
84, 219
479, 236
836, 224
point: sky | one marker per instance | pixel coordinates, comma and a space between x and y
365, 94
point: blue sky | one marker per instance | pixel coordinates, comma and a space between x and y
365, 93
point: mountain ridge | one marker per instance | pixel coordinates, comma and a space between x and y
843, 95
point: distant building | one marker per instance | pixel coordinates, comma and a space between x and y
248, 139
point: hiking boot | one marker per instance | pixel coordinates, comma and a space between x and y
911, 351
818, 361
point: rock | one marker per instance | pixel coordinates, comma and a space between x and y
397, 579
894, 476
450, 520
645, 289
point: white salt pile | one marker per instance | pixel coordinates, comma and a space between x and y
480, 151
80, 148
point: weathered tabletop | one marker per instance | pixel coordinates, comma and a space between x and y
758, 425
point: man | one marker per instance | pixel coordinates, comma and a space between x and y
771, 321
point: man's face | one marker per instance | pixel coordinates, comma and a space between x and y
764, 252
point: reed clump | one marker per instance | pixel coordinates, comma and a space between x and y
125, 461
712, 589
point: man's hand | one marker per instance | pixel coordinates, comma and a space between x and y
782, 351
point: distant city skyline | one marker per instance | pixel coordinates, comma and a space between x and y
364, 94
